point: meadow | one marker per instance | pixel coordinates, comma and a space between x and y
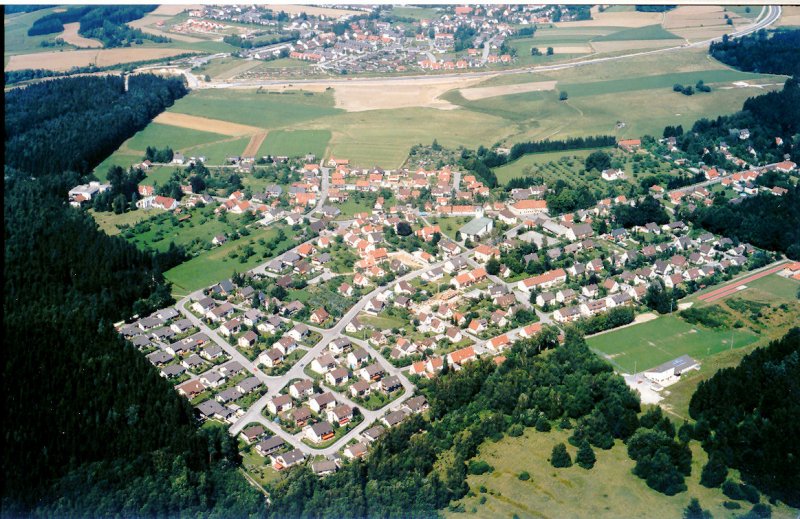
643, 346
295, 143
163, 135
221, 262
608, 490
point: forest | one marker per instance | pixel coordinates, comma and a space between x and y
768, 116
73, 124
105, 23
747, 418
766, 221
768, 52
90, 427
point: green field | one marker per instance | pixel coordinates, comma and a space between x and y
264, 110
123, 159
649, 32
418, 13
215, 153
216, 264
519, 167
108, 221
16, 39
158, 175
295, 143
609, 490
163, 135
649, 344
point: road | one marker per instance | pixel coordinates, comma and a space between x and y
764, 19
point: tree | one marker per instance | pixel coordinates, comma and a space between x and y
535, 51
493, 266
598, 160
549, 51
560, 458
404, 229
585, 457
695, 511
563, 96
714, 472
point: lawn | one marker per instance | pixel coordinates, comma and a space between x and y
353, 206
217, 264
264, 110
295, 143
108, 221
215, 153
450, 225
649, 32
418, 13
163, 135
123, 159
382, 322
608, 490
649, 344
158, 175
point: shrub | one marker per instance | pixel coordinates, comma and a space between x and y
478, 467
524, 476
560, 458
585, 457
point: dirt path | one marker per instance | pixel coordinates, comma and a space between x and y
254, 144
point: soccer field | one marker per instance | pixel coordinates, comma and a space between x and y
647, 345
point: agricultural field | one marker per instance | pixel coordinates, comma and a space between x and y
576, 492
162, 135
17, 41
642, 346
62, 61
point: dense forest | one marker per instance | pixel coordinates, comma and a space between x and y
773, 52
749, 420
766, 221
73, 124
90, 428
767, 117
422, 465
105, 23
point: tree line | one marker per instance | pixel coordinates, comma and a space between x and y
90, 426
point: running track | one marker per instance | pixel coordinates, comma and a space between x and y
730, 289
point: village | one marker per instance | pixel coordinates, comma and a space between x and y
313, 354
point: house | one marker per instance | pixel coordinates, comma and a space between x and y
324, 467
270, 358
360, 388
341, 414
389, 384
531, 330
287, 459
612, 174
417, 404
483, 253
280, 404
629, 145
323, 364
546, 280
527, 207
567, 314
371, 372
322, 401
191, 388
212, 378
320, 432
248, 385
669, 372
356, 358
337, 376
461, 356
230, 328
498, 344
373, 433
203, 306
298, 332
248, 339
357, 450
252, 434
319, 316
270, 445
301, 389
339, 346
394, 418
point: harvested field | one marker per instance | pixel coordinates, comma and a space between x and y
254, 144
194, 122
473, 94
615, 46
377, 95
62, 61
145, 25
172, 10
616, 19
313, 11
790, 16
571, 49
71, 36
699, 22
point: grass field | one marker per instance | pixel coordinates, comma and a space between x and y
418, 13
257, 109
295, 143
518, 167
648, 32
158, 175
216, 264
216, 152
108, 221
16, 39
123, 158
609, 490
163, 135
652, 343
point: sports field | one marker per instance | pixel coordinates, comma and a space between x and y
647, 345
576, 492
